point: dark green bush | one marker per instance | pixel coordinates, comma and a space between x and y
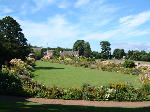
129, 64
10, 84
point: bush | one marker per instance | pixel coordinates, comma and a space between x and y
129, 64
145, 77
146, 88
10, 84
73, 93
20, 68
125, 92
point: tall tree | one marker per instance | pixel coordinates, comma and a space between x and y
87, 50
79, 46
13, 44
106, 50
118, 53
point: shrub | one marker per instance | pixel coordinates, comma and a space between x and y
124, 92
73, 93
20, 68
30, 61
145, 77
136, 71
10, 84
146, 88
129, 64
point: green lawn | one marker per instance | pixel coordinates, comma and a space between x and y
51, 74
24, 106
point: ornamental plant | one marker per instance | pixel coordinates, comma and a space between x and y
20, 68
129, 64
30, 61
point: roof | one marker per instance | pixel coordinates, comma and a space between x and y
37, 48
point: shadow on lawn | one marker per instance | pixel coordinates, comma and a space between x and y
22, 106
47, 68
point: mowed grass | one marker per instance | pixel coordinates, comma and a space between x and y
61, 75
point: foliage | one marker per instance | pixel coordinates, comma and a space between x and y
38, 54
13, 44
20, 68
146, 88
106, 50
126, 92
145, 77
30, 61
118, 53
138, 55
87, 50
10, 84
79, 46
96, 55
72, 93
129, 64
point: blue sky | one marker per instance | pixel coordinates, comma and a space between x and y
124, 23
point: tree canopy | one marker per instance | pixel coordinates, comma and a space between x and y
83, 48
118, 53
13, 43
106, 50
79, 46
87, 50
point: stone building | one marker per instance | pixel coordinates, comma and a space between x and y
49, 53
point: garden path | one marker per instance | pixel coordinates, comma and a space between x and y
79, 102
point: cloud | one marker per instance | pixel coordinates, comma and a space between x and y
5, 10
81, 3
131, 46
39, 4
100, 35
56, 31
63, 4
128, 27
135, 20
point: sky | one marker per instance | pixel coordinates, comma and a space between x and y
51, 23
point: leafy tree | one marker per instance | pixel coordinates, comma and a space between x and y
118, 53
95, 54
138, 55
38, 54
87, 50
106, 50
58, 49
13, 44
79, 46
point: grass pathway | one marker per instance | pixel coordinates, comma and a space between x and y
69, 76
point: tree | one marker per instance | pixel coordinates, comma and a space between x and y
106, 50
95, 54
13, 44
118, 53
58, 49
87, 50
79, 46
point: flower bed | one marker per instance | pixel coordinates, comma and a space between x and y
12, 84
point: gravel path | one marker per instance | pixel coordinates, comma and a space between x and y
79, 102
